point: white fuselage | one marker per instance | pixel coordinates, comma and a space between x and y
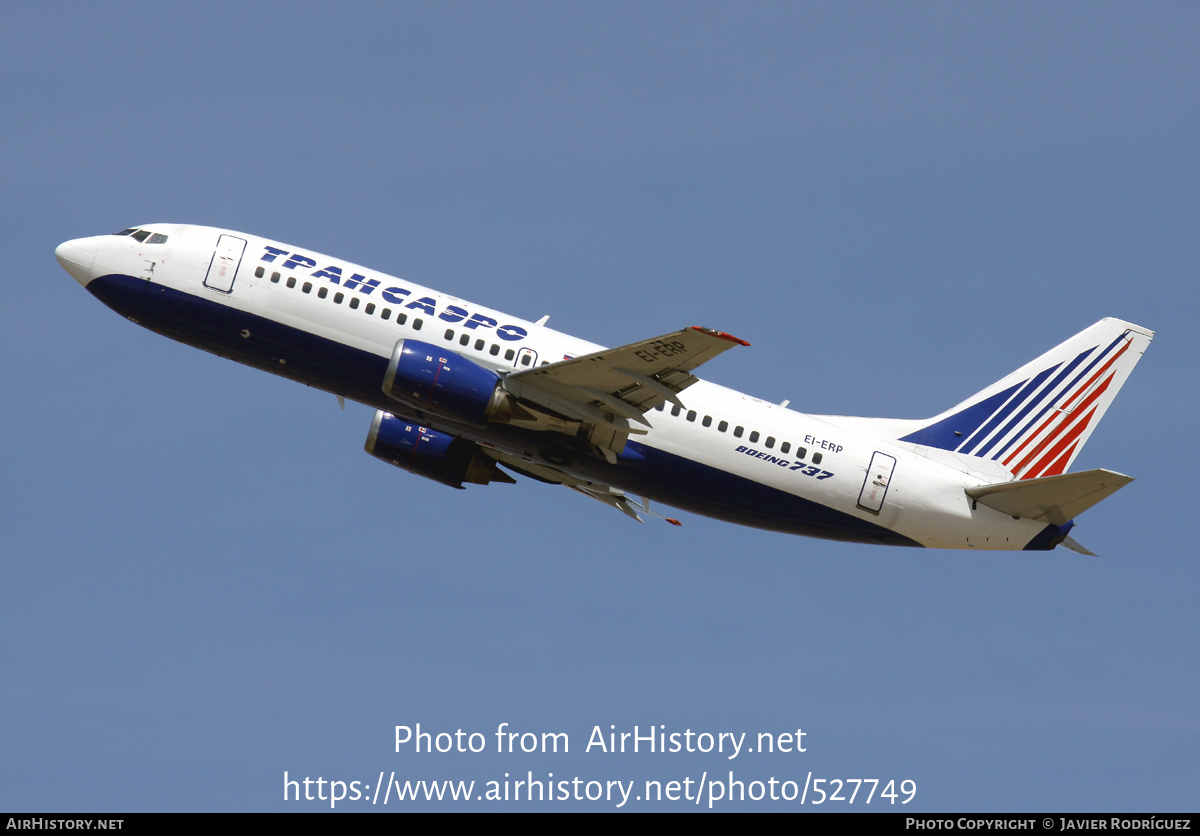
729, 455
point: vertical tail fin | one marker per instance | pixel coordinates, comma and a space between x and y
1035, 421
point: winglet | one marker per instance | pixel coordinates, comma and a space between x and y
714, 333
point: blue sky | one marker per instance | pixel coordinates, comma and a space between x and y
209, 583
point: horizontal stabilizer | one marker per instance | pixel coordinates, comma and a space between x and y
1051, 499
1072, 544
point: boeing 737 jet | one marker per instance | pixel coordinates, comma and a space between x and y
467, 394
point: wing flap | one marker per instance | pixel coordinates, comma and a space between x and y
1052, 499
612, 387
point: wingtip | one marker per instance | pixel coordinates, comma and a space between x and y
721, 334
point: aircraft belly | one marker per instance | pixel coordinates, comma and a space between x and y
684, 483
272, 346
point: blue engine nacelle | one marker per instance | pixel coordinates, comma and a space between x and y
438, 381
425, 452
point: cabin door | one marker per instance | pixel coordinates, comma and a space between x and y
875, 486
224, 265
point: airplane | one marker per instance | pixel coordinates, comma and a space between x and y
467, 394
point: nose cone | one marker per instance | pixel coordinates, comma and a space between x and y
76, 257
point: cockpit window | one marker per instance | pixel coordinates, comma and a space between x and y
143, 234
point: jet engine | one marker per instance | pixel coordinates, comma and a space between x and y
438, 381
425, 452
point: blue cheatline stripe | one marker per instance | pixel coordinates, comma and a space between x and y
358, 374
703, 489
1026, 391
1033, 422
948, 433
1048, 392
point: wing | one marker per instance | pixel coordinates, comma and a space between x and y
608, 389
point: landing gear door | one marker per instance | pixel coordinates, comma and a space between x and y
225, 262
874, 488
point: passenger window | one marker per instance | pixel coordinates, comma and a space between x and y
291, 282
307, 288
464, 339
737, 432
449, 335
801, 452
661, 406
494, 350
275, 278
354, 300
691, 416
322, 292
337, 298
817, 458
258, 272
770, 441
675, 410
723, 426
707, 421
783, 448
370, 308
401, 318
526, 360
417, 323
508, 355
753, 436
387, 314
479, 344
